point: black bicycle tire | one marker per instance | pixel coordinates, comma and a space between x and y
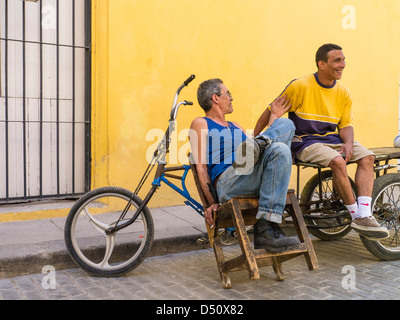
306, 195
76, 209
375, 247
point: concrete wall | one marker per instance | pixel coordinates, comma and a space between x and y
144, 49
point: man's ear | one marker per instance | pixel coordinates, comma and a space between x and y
215, 98
321, 64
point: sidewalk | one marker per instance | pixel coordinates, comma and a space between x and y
27, 246
177, 268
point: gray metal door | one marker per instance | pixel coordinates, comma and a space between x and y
44, 99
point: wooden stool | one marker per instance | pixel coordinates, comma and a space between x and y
240, 212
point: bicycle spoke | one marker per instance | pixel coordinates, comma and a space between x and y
110, 243
96, 223
320, 199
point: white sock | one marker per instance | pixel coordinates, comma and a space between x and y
364, 206
353, 210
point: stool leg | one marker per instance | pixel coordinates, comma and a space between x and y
278, 269
219, 257
302, 232
244, 241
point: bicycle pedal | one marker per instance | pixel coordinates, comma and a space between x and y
203, 241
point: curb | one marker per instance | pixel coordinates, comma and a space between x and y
56, 255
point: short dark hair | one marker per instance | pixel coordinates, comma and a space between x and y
206, 90
322, 52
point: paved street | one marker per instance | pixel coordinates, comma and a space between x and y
346, 271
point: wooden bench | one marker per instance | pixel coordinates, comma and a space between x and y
240, 212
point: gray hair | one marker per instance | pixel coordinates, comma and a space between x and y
206, 90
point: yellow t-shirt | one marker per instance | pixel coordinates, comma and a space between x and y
317, 111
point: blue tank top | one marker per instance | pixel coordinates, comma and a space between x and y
222, 142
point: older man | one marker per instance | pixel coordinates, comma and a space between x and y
217, 146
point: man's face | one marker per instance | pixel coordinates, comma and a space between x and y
225, 99
333, 68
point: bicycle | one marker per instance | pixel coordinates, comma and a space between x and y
107, 214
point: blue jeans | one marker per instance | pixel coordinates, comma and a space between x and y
270, 177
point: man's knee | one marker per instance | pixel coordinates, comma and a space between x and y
338, 163
282, 150
367, 162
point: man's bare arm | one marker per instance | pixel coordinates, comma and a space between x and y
197, 138
279, 107
347, 136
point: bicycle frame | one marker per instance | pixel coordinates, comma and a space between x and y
183, 190
162, 174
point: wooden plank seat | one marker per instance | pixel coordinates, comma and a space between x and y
240, 212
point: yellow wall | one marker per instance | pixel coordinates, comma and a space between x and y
144, 49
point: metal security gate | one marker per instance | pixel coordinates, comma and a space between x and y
44, 99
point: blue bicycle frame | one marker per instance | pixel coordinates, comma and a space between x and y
183, 190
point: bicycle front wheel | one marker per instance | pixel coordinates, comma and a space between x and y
108, 255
